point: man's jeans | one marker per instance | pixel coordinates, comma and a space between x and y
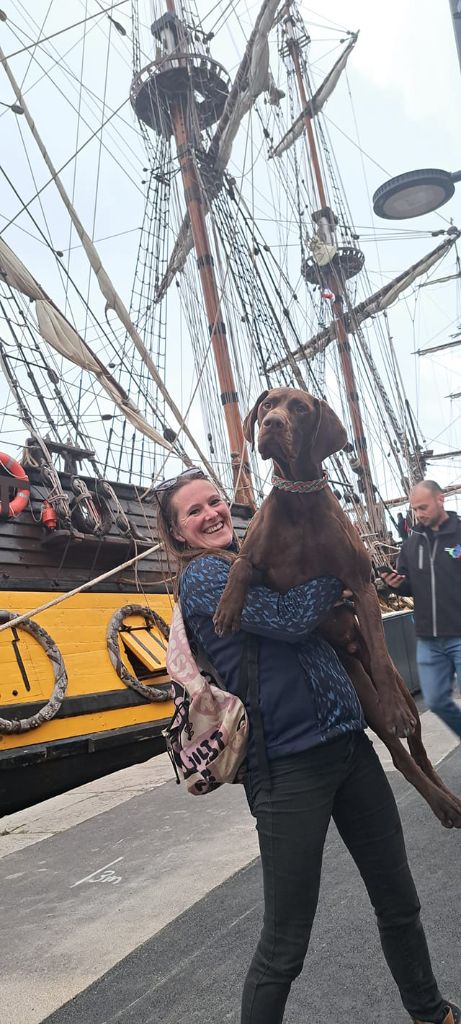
342, 780
438, 659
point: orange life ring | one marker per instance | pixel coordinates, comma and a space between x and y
21, 499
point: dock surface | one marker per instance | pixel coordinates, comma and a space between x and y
127, 901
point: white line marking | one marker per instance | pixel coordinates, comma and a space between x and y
97, 872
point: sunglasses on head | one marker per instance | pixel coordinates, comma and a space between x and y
167, 485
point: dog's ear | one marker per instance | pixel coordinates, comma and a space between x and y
330, 435
250, 420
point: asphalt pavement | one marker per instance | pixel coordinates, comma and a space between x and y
129, 902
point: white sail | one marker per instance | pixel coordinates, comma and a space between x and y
440, 280
181, 250
318, 100
376, 303
60, 335
253, 77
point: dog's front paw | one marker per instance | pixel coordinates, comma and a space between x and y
226, 618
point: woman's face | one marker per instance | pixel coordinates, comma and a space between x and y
201, 517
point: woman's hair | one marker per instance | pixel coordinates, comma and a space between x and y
166, 518
166, 521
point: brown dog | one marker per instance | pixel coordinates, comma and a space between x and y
301, 532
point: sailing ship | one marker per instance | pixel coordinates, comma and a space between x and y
224, 300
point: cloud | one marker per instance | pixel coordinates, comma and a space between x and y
407, 50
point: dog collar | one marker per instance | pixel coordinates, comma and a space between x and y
300, 486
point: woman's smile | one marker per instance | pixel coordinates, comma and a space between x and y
202, 517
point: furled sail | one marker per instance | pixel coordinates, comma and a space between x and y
318, 100
376, 303
181, 250
440, 280
253, 77
439, 348
59, 333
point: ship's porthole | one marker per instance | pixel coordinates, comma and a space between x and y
137, 637
52, 652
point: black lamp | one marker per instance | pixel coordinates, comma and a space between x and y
414, 193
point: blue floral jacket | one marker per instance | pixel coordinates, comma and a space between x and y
306, 697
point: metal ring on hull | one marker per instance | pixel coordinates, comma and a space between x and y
151, 693
60, 678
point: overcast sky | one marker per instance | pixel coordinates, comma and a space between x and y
406, 84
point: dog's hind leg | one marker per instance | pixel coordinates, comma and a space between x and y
415, 741
398, 718
445, 806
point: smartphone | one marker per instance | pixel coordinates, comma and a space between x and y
384, 569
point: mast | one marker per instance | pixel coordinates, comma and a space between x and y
181, 93
332, 273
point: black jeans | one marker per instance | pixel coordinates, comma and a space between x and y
342, 780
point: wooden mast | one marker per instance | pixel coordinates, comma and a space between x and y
175, 84
326, 223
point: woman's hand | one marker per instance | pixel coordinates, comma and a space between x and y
346, 595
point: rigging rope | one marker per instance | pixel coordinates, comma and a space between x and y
60, 31
104, 281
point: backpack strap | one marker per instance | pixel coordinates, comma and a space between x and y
248, 688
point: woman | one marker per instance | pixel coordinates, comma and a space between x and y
321, 763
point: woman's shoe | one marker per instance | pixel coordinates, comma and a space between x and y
452, 1016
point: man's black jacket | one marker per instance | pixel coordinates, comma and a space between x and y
431, 562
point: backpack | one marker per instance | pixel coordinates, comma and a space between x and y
207, 736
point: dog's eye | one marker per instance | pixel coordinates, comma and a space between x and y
300, 407
267, 404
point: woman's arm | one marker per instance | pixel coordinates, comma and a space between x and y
289, 617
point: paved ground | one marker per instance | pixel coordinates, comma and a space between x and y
127, 901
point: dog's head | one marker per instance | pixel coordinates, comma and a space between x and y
294, 428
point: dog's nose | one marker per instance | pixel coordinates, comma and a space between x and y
273, 420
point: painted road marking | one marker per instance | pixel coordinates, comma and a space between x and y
102, 875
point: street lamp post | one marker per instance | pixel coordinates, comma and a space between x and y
414, 193
417, 192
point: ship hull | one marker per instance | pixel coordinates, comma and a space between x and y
102, 721
34, 773
102, 724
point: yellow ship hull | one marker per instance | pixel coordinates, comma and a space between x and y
102, 723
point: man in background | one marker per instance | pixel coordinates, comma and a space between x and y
429, 570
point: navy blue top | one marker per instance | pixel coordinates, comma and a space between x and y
306, 696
